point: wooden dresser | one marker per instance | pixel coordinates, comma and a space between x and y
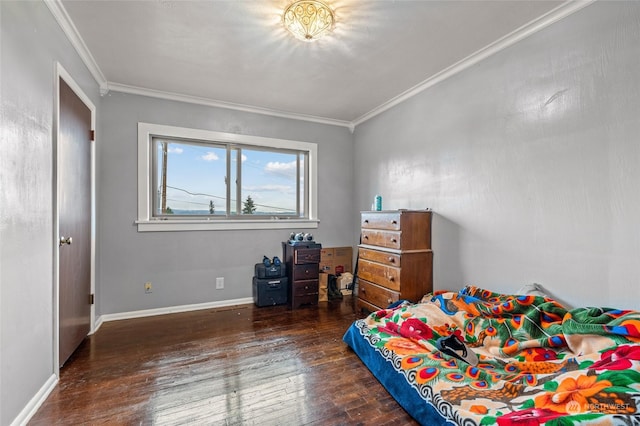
303, 266
395, 260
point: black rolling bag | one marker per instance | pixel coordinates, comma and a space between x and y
270, 291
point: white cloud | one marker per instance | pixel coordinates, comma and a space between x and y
175, 150
210, 156
276, 167
243, 158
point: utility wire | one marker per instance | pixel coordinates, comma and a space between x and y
218, 197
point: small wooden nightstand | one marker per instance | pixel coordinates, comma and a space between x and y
303, 266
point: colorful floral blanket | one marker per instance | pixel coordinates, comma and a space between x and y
538, 363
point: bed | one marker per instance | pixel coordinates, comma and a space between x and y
537, 361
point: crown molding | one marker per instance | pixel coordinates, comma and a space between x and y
515, 36
135, 90
64, 20
68, 27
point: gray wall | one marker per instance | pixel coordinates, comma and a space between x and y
183, 266
530, 160
31, 43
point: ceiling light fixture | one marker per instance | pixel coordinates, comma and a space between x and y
308, 20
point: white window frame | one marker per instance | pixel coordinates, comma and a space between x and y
147, 223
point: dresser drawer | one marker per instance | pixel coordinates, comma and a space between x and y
306, 299
384, 275
388, 239
304, 293
305, 288
415, 226
305, 272
303, 256
376, 295
387, 258
366, 307
381, 220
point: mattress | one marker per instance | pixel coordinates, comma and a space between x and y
537, 362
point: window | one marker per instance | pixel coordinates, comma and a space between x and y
191, 179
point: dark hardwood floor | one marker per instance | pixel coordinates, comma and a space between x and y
240, 365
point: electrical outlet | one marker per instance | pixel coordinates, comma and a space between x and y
219, 283
147, 287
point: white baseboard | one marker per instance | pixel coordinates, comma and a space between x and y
97, 324
170, 310
34, 404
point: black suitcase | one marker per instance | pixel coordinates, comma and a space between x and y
272, 271
270, 291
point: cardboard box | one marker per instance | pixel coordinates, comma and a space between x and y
343, 256
326, 260
326, 254
332, 257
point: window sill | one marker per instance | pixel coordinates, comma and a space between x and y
223, 225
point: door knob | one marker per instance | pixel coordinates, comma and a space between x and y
64, 241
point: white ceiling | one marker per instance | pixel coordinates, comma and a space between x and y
237, 52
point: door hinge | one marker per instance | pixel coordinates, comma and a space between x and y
92, 299
92, 135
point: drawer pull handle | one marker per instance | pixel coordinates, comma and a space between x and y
364, 290
389, 301
391, 278
366, 221
393, 240
392, 260
366, 237
393, 222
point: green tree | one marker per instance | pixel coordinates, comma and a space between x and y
212, 208
168, 210
249, 206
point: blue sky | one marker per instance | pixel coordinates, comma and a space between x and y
196, 175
